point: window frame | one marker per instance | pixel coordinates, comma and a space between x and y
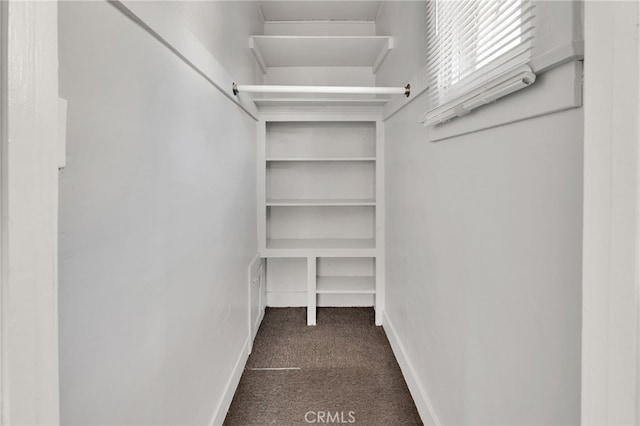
460, 77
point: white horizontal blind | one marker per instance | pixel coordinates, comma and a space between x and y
477, 51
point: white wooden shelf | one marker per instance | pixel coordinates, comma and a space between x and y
320, 51
321, 243
317, 102
323, 159
346, 285
320, 248
319, 202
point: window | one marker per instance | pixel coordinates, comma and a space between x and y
477, 51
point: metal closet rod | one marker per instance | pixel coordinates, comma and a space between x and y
354, 90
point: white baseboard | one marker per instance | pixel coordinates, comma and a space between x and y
420, 397
232, 384
254, 332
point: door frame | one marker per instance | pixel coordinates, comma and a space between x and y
29, 213
611, 239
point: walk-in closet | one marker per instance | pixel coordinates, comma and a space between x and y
290, 212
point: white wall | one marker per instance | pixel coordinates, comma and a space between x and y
484, 260
157, 225
406, 21
223, 28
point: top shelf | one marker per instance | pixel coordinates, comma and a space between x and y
328, 51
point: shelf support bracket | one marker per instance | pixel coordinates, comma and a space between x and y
383, 55
258, 55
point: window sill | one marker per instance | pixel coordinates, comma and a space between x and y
556, 90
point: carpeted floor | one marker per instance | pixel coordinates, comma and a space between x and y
340, 371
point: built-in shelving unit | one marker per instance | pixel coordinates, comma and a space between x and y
326, 51
319, 187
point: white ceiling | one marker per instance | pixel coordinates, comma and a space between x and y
312, 10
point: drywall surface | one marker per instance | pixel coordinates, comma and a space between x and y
406, 21
484, 266
223, 27
157, 228
484, 259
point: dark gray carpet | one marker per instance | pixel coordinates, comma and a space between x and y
347, 373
